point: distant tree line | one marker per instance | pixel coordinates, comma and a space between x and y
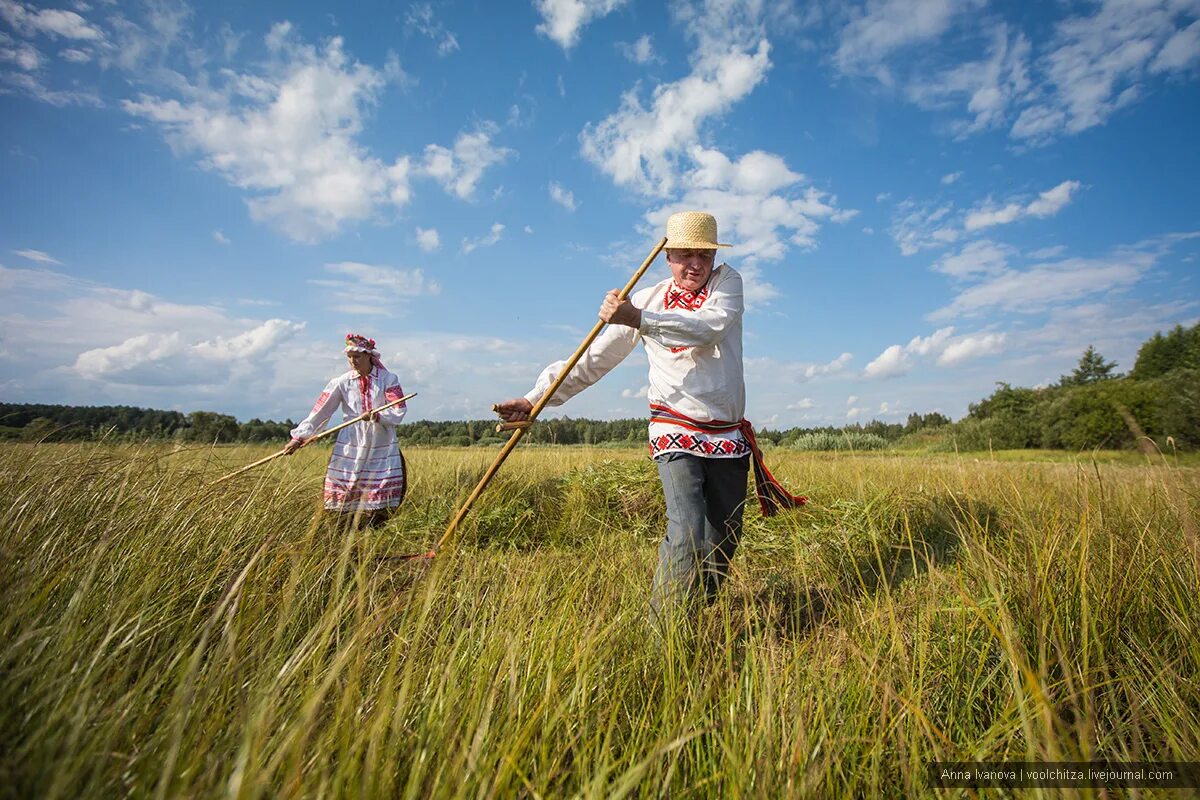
36, 422
1094, 406
566, 430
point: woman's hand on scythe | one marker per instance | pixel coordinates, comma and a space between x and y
293, 446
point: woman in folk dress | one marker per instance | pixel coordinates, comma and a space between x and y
366, 472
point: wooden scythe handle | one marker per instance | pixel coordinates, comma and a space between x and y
541, 403
312, 439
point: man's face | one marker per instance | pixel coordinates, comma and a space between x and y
359, 362
691, 268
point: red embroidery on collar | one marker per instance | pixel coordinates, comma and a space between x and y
676, 297
364, 387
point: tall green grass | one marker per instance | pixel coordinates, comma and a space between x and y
162, 639
845, 440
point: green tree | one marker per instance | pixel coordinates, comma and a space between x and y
935, 419
1092, 367
1011, 416
1090, 416
1179, 348
39, 429
1179, 407
1007, 399
208, 426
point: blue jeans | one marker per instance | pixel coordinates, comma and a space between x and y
705, 497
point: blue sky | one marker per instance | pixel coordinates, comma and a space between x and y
926, 197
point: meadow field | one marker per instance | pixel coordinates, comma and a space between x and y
162, 638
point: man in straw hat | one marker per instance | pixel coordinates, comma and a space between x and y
691, 326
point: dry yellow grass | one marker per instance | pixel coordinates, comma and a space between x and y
159, 638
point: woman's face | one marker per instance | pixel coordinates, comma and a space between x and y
359, 362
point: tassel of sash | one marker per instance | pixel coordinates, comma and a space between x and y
771, 494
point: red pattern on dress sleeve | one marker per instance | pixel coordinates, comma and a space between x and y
320, 402
393, 393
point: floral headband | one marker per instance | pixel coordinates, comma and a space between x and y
360, 344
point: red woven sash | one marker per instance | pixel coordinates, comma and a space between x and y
771, 494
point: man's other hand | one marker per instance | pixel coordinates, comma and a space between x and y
515, 410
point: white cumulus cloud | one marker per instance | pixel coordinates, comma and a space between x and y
563, 197
1180, 51
641, 147
1032, 290
969, 347
372, 288
493, 236
287, 135
640, 51
1047, 204
656, 148
917, 227
823, 370
982, 257
990, 87
23, 54
891, 363
562, 20
52, 22
1099, 57
421, 19
1098, 62
1051, 283
761, 207
923, 346
153, 359
899, 360
428, 239
885, 26
39, 256
460, 168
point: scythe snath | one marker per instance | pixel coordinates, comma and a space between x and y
519, 428
312, 439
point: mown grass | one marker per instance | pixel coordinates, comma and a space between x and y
162, 639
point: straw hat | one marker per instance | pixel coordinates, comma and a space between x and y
693, 230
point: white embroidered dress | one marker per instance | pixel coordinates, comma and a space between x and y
366, 471
694, 345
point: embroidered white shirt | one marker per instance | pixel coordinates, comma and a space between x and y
695, 354
366, 469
